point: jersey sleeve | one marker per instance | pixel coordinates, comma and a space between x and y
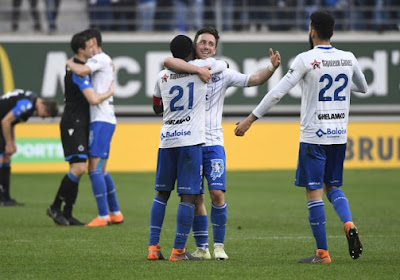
296, 72
82, 82
236, 79
94, 65
157, 90
359, 82
23, 109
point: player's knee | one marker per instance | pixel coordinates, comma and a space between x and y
78, 169
217, 197
164, 195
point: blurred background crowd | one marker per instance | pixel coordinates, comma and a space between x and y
62, 16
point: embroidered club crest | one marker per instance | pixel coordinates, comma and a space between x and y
217, 170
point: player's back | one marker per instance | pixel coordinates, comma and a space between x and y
183, 98
102, 76
11, 99
326, 89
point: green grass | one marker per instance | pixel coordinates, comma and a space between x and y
267, 231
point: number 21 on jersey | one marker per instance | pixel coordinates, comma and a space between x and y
180, 95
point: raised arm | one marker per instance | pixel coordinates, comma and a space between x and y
263, 75
79, 69
95, 98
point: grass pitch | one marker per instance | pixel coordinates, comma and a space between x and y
267, 231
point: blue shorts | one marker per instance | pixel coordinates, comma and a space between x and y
181, 164
319, 164
214, 167
100, 136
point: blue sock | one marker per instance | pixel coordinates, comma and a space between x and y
99, 191
340, 204
184, 222
317, 221
219, 216
156, 219
200, 231
111, 194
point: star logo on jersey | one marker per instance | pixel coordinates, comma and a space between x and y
315, 64
164, 78
217, 170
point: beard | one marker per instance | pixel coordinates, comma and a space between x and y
311, 42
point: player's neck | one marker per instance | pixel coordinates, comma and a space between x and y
81, 57
318, 42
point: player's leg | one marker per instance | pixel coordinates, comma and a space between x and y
200, 229
75, 147
5, 174
99, 148
333, 180
164, 184
189, 177
310, 174
214, 171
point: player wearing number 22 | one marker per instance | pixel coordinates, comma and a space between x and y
326, 76
180, 150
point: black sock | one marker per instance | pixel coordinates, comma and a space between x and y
63, 191
5, 182
70, 199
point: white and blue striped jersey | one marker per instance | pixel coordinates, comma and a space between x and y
102, 75
216, 90
183, 97
326, 76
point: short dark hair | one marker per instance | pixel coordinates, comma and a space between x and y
51, 107
182, 47
78, 41
208, 29
323, 23
94, 33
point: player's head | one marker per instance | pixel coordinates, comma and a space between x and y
206, 41
81, 44
94, 33
46, 108
321, 26
182, 47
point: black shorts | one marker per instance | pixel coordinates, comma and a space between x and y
2, 144
75, 140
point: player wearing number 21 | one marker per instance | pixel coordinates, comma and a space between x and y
326, 76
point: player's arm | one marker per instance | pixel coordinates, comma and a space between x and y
79, 69
158, 106
359, 83
294, 75
180, 66
263, 75
96, 98
8, 133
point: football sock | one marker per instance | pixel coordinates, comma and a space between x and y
184, 222
219, 215
340, 204
200, 231
157, 214
71, 192
317, 222
100, 191
5, 170
111, 194
65, 186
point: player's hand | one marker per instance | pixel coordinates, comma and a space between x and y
204, 73
69, 61
10, 149
242, 127
275, 58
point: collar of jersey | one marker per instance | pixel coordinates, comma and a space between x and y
324, 47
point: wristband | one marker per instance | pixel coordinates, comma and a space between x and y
272, 68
